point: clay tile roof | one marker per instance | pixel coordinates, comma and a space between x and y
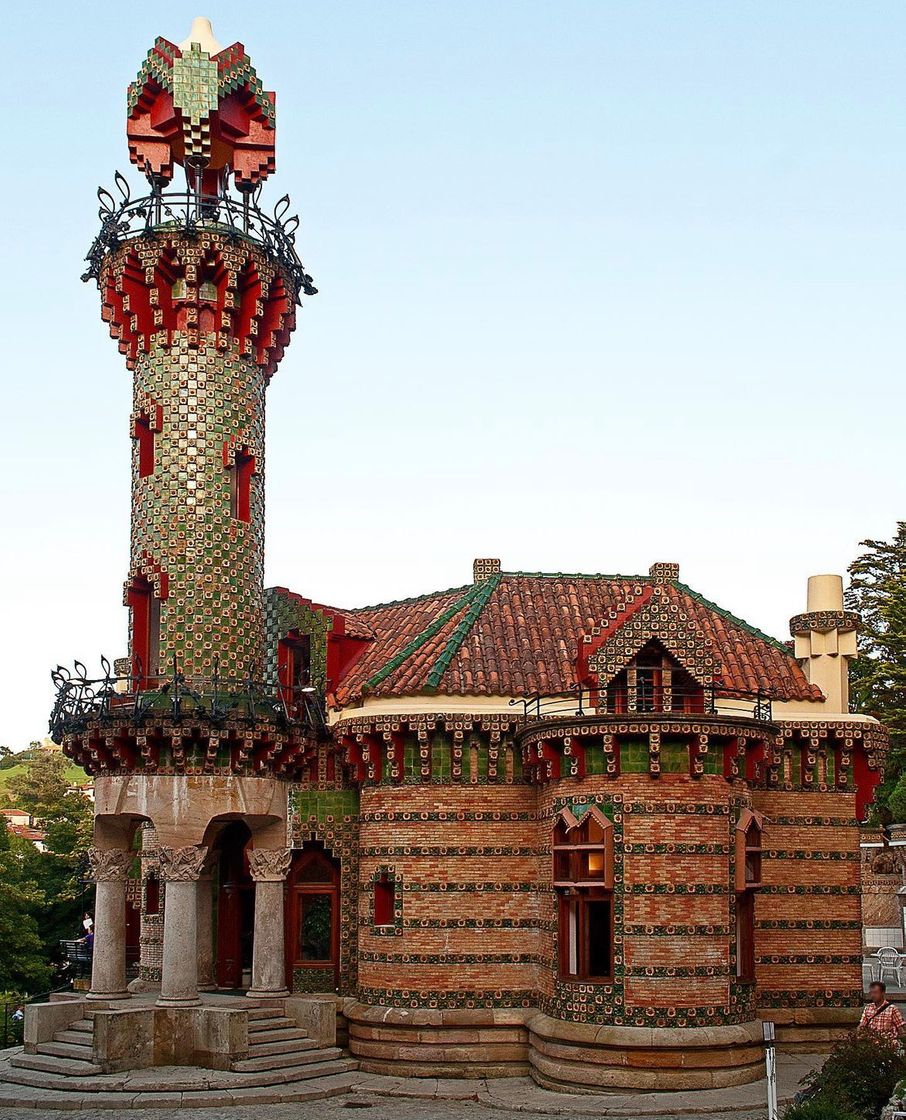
517, 633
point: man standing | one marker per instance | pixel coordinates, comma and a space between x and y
881, 1016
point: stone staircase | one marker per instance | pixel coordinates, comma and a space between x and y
277, 1043
283, 1064
69, 1054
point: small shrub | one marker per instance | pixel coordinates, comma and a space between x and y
858, 1079
818, 1110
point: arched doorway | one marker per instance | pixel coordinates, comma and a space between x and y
313, 922
235, 907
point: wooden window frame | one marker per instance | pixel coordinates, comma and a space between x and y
576, 886
582, 898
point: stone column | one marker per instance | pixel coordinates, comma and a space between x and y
109, 870
180, 869
268, 868
205, 921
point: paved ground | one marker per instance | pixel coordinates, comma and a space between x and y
388, 1098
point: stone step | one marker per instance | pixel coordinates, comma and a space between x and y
83, 1026
46, 1063
278, 1022
78, 1038
279, 1034
217, 1082
62, 1049
286, 1061
299, 1045
331, 1085
264, 1012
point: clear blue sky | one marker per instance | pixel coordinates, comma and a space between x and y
601, 284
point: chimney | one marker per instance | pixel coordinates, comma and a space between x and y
825, 640
664, 572
483, 569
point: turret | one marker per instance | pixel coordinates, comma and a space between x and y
200, 288
825, 640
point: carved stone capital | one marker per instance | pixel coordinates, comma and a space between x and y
888, 861
269, 865
181, 865
109, 865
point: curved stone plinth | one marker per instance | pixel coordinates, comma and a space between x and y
420, 1043
588, 1058
571, 1057
811, 1030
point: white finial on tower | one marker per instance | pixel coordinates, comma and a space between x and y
203, 34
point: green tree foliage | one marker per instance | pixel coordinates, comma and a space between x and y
23, 958
858, 1078
878, 680
59, 872
41, 786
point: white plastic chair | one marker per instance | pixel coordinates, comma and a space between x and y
890, 960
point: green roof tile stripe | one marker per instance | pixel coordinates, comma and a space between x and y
426, 635
741, 622
485, 590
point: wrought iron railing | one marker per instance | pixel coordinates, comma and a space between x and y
623, 703
83, 701
236, 216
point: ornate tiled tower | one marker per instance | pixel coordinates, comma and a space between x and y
189, 745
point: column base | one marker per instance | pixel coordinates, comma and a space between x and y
176, 1001
104, 996
280, 993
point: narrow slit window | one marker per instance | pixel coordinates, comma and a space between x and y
144, 435
152, 895
241, 486
145, 628
384, 901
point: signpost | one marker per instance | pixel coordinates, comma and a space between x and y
770, 1066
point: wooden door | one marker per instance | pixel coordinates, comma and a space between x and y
313, 923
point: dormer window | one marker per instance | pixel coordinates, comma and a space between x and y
654, 682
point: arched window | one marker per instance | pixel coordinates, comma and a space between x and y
583, 878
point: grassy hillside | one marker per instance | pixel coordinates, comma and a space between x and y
75, 775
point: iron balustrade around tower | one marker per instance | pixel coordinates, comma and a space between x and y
83, 702
710, 700
236, 216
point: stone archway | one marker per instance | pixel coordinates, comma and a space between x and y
234, 904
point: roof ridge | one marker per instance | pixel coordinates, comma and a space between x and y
419, 640
465, 587
730, 617
577, 575
485, 590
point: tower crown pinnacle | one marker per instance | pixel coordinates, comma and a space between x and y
202, 33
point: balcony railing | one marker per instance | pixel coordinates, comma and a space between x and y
639, 703
83, 702
236, 216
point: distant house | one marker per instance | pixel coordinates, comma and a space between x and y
17, 817
23, 824
86, 789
